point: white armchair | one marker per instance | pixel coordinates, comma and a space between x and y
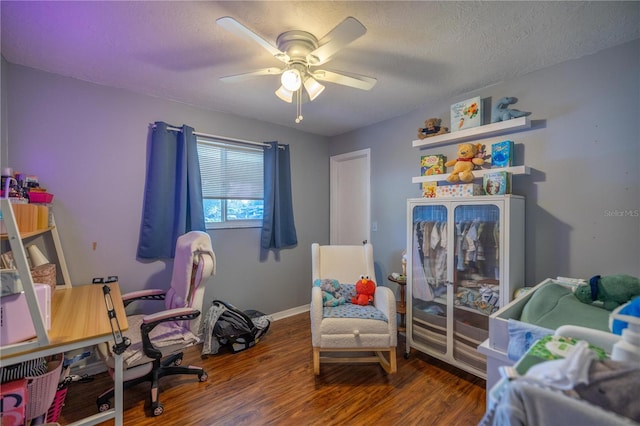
367, 339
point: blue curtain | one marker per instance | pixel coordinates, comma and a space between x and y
173, 192
278, 229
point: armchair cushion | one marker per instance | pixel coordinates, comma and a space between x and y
348, 291
331, 291
349, 310
346, 309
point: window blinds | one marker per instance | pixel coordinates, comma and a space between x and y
230, 171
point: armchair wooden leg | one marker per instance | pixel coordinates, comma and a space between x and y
390, 365
393, 366
316, 361
376, 355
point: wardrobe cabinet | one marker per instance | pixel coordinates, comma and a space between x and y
465, 261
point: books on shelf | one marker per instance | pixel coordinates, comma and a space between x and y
431, 165
502, 154
496, 183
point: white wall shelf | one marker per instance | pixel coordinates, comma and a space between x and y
481, 132
514, 170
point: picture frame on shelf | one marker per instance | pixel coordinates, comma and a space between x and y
466, 114
8, 262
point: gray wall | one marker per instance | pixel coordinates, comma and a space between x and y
584, 149
88, 144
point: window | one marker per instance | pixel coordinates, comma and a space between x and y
232, 188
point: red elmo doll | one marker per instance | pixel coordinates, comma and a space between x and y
365, 289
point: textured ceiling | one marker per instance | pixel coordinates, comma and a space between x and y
420, 52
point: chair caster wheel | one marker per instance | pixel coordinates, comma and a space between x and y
406, 355
158, 410
177, 361
203, 376
104, 406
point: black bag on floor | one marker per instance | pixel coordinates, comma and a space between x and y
239, 330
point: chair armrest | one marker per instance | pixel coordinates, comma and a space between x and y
316, 314
149, 322
176, 314
151, 294
385, 301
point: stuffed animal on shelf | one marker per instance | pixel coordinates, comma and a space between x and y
463, 166
611, 290
331, 295
431, 128
502, 112
365, 289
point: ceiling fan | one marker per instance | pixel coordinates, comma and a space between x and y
301, 53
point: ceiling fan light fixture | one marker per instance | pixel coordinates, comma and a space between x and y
284, 94
291, 79
313, 87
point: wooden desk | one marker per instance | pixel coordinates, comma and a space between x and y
79, 319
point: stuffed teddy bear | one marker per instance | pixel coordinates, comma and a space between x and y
464, 164
501, 111
431, 128
365, 289
330, 292
612, 290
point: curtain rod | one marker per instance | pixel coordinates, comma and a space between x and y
223, 138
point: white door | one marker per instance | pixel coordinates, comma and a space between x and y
350, 194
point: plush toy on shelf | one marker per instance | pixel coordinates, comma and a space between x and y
611, 290
463, 165
365, 289
431, 127
502, 112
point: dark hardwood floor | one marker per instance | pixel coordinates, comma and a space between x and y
273, 384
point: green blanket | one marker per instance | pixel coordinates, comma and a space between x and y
553, 305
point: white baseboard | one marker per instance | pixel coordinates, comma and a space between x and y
290, 312
94, 366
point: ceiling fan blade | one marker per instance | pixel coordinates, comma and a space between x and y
245, 76
344, 33
356, 81
235, 27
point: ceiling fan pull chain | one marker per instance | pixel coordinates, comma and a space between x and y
299, 105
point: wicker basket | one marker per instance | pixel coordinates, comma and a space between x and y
41, 390
45, 274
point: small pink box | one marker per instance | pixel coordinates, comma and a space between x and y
16, 324
13, 403
40, 197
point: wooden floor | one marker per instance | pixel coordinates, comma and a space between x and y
273, 384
